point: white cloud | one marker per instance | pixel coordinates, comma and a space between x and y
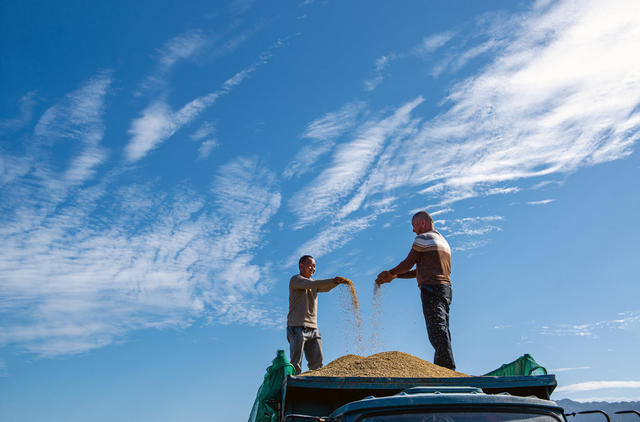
25, 113
617, 398
432, 43
627, 321
578, 368
78, 118
334, 124
208, 144
206, 147
541, 202
238, 7
561, 95
441, 211
468, 245
350, 164
78, 115
596, 385
71, 283
470, 226
381, 64
545, 183
246, 198
501, 191
424, 49
180, 47
331, 238
158, 122
321, 135
205, 130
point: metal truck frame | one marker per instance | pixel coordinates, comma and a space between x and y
346, 399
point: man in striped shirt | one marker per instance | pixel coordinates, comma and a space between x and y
431, 255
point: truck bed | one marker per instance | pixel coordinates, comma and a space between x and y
319, 396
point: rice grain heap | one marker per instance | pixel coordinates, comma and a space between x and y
385, 364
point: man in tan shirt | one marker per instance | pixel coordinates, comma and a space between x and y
302, 320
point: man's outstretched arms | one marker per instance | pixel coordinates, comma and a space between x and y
402, 270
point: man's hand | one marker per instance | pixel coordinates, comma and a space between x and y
385, 277
341, 280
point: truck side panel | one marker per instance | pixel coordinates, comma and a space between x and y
319, 396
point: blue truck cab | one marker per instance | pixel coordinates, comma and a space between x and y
359, 399
448, 404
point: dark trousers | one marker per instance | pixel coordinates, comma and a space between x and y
435, 307
309, 340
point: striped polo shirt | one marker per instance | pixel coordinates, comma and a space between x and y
433, 264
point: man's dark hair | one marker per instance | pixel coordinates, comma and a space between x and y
303, 258
424, 215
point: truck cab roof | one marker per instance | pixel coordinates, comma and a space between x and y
447, 399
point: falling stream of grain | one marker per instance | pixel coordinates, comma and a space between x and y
354, 313
376, 311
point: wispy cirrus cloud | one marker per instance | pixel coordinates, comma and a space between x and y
25, 113
206, 130
158, 122
180, 47
627, 321
423, 50
378, 71
208, 143
238, 7
498, 128
469, 245
432, 43
331, 238
78, 118
206, 147
614, 398
596, 385
350, 164
577, 368
82, 274
561, 95
541, 202
320, 136
441, 211
470, 226
246, 198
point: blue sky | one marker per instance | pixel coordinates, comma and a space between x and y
163, 165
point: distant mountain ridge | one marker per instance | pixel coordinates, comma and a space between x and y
571, 406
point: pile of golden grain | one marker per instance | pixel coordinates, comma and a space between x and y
385, 364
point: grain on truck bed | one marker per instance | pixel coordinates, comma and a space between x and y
385, 364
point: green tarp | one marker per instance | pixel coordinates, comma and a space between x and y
265, 408
524, 365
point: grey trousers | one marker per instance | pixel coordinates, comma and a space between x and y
309, 340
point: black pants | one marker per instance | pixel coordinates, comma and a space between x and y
435, 307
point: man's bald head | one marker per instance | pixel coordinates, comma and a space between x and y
423, 215
422, 222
